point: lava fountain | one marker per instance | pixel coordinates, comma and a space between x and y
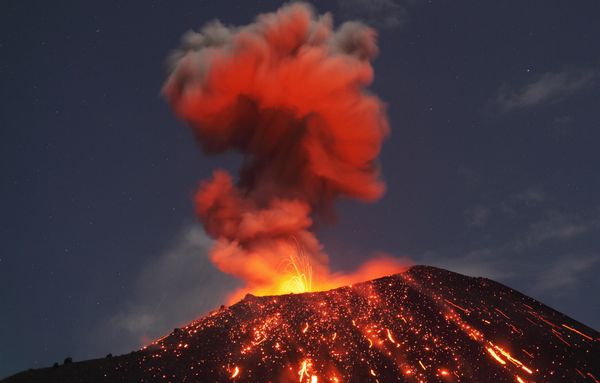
288, 91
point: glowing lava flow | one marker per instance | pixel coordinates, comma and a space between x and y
425, 325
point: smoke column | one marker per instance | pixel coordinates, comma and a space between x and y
288, 92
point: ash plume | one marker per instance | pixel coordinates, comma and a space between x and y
288, 91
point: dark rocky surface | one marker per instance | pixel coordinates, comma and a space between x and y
424, 325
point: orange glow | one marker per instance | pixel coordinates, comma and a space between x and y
321, 279
236, 372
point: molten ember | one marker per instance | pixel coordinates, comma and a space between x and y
288, 92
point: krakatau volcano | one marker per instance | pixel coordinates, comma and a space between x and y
423, 325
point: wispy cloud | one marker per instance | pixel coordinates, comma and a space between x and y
378, 13
554, 226
477, 216
531, 196
528, 223
483, 262
172, 289
565, 273
547, 88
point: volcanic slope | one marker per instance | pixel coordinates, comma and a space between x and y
424, 325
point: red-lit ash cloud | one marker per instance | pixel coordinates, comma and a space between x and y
289, 92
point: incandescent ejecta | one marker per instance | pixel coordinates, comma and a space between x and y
289, 92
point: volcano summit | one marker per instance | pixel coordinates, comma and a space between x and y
423, 325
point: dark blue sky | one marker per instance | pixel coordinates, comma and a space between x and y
492, 166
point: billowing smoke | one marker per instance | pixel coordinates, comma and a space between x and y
287, 91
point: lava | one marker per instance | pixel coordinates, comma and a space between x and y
424, 325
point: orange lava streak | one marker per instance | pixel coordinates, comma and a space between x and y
495, 356
558, 335
457, 306
578, 332
303, 370
500, 311
389, 334
528, 353
236, 372
305, 329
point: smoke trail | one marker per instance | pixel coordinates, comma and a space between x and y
287, 91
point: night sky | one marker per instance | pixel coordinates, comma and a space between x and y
492, 165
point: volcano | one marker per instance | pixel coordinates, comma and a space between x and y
423, 325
